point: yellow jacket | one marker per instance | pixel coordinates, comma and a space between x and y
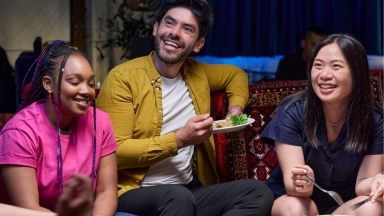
131, 95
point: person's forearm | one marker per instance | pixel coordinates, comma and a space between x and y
363, 186
130, 152
299, 194
291, 191
105, 204
36, 208
238, 91
9, 210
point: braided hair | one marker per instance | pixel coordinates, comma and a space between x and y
53, 58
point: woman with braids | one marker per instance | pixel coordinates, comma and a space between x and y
56, 133
332, 132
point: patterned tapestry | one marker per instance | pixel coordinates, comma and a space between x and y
242, 154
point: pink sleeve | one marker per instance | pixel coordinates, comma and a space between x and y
18, 148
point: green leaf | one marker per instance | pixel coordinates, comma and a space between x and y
238, 120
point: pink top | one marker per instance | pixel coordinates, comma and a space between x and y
28, 139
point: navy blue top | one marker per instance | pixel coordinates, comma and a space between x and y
334, 168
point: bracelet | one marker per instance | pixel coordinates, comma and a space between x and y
373, 178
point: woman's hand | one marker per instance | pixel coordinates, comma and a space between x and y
299, 181
293, 166
377, 188
77, 197
369, 180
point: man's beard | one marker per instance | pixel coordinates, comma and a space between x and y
167, 56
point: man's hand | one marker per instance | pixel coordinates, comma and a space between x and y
235, 110
77, 198
197, 130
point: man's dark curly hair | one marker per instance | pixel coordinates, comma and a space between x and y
200, 8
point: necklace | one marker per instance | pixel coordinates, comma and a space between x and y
334, 125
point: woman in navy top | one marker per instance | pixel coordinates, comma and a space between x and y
331, 131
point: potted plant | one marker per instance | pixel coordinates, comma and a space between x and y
131, 28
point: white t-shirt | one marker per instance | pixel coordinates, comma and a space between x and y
177, 110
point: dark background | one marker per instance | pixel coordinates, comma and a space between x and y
275, 27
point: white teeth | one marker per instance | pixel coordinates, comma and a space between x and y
171, 43
326, 86
82, 102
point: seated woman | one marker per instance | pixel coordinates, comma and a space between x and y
56, 133
332, 131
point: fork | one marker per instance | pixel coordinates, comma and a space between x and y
333, 194
217, 125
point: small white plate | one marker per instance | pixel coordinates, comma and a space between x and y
232, 128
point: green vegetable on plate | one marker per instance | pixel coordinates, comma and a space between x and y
238, 120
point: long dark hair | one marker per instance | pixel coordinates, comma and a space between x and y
200, 8
53, 58
359, 119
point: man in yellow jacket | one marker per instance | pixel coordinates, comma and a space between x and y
159, 107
